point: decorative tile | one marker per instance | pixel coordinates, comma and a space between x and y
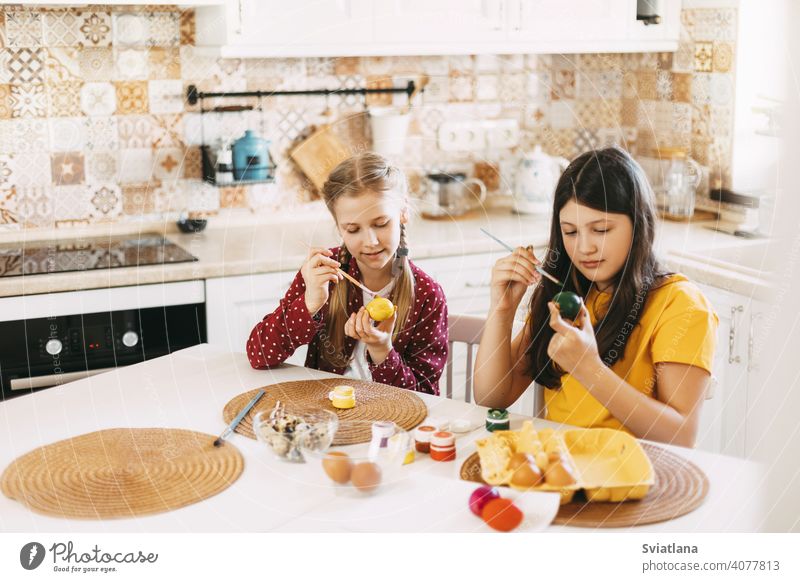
131, 64
586, 139
64, 99
168, 164
205, 198
563, 84
70, 202
102, 133
646, 85
664, 85
26, 65
95, 27
101, 166
62, 64
193, 164
348, 82
438, 90
105, 201
512, 88
345, 66
164, 63
9, 217
135, 131
701, 89
683, 60
167, 131
62, 28
187, 27
682, 87
538, 86
721, 89
25, 136
5, 101
166, 96
96, 64
233, 197
703, 57
561, 115
462, 86
164, 29
464, 64
28, 100
98, 99
6, 171
24, 28
538, 62
511, 63
67, 168
630, 85
682, 118
131, 97
30, 169
379, 99
172, 196
723, 57
130, 29
34, 205
629, 113
135, 165
486, 87
138, 199
67, 134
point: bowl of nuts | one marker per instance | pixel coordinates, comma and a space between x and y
284, 427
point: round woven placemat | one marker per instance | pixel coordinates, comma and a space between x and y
680, 487
122, 472
373, 402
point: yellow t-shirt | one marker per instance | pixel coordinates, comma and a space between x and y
677, 324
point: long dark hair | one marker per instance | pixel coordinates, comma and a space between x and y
609, 180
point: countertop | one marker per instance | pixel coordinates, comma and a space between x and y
236, 249
189, 389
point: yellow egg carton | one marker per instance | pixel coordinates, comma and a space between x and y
608, 464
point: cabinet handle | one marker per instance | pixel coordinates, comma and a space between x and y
751, 343
241, 17
732, 335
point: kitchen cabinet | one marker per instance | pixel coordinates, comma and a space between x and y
270, 28
235, 304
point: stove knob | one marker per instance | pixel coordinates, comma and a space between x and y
130, 339
53, 347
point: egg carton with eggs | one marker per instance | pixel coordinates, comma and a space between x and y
609, 465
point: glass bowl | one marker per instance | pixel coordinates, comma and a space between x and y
316, 428
363, 469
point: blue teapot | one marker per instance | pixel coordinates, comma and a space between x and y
251, 157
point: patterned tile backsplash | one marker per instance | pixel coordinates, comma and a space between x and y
94, 125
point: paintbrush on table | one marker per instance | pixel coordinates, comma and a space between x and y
235, 422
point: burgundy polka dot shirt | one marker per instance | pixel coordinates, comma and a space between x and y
419, 352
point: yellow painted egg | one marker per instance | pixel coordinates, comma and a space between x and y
380, 308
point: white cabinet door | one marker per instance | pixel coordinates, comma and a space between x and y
761, 407
235, 304
536, 21
440, 22
723, 420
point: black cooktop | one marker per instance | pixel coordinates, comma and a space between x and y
87, 254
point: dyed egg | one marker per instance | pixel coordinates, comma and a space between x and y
502, 514
337, 466
559, 474
568, 303
526, 475
480, 497
380, 309
366, 477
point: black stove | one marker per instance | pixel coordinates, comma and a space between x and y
42, 257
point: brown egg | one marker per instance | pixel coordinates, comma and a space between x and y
366, 477
337, 466
526, 475
559, 474
518, 459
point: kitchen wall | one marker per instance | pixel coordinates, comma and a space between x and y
94, 127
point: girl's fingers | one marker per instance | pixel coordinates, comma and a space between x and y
320, 260
556, 322
519, 262
358, 322
521, 275
366, 323
319, 251
583, 320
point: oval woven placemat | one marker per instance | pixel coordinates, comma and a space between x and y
680, 487
122, 472
373, 402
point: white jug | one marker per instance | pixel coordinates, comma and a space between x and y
536, 179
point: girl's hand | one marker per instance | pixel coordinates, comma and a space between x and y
378, 338
511, 277
573, 347
318, 271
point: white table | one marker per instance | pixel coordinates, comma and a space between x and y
188, 389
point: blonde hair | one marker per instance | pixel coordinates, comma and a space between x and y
365, 172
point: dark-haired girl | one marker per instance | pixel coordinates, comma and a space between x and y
638, 355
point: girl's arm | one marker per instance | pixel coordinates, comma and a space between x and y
421, 363
499, 377
276, 337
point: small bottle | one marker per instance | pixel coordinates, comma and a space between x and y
224, 166
422, 438
382, 430
497, 419
443, 446
342, 397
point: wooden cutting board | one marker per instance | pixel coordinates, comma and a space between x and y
318, 154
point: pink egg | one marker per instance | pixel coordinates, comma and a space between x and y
480, 497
